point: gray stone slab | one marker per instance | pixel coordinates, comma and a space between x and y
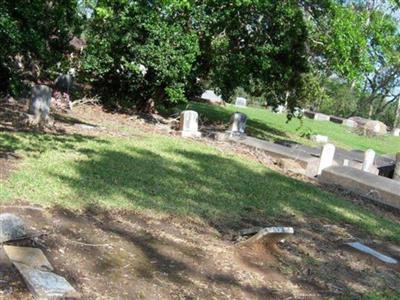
307, 161
370, 251
46, 285
270, 235
32, 257
11, 227
376, 188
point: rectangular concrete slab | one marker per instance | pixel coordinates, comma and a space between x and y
377, 188
32, 257
370, 251
308, 162
46, 285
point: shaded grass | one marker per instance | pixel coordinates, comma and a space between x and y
169, 175
265, 124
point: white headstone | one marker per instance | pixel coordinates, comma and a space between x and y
326, 159
212, 98
321, 117
280, 109
396, 132
346, 163
189, 124
369, 158
319, 138
241, 102
350, 123
238, 124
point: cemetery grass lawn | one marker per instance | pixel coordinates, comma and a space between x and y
170, 175
267, 125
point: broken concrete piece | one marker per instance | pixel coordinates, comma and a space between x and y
45, 285
270, 234
370, 251
11, 227
31, 257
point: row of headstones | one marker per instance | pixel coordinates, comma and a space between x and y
189, 124
328, 154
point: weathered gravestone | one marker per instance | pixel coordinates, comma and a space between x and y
64, 83
350, 123
241, 102
396, 132
32, 257
45, 285
11, 228
39, 105
212, 98
319, 138
189, 124
369, 159
238, 124
396, 175
326, 158
269, 235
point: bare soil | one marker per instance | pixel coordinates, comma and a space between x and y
109, 254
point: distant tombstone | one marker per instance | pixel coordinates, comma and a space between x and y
212, 98
40, 103
326, 159
369, 158
346, 163
396, 175
241, 102
321, 117
64, 83
189, 124
396, 132
350, 123
319, 138
11, 227
238, 124
280, 109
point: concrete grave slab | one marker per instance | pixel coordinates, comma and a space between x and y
321, 117
308, 162
31, 257
382, 257
376, 188
337, 120
46, 285
270, 235
11, 227
319, 138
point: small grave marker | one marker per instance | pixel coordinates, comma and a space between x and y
326, 159
189, 124
11, 228
241, 102
369, 158
238, 124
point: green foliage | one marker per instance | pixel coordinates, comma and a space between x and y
139, 51
34, 37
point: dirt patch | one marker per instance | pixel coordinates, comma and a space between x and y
131, 255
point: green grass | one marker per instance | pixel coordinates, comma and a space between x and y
265, 124
165, 174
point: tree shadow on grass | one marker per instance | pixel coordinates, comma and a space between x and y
35, 143
222, 191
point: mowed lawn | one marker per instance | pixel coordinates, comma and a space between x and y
171, 175
267, 125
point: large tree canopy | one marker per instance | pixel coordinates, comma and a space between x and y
34, 37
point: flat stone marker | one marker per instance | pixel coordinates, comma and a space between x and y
321, 117
326, 159
370, 251
319, 138
241, 102
270, 234
11, 227
31, 257
46, 285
